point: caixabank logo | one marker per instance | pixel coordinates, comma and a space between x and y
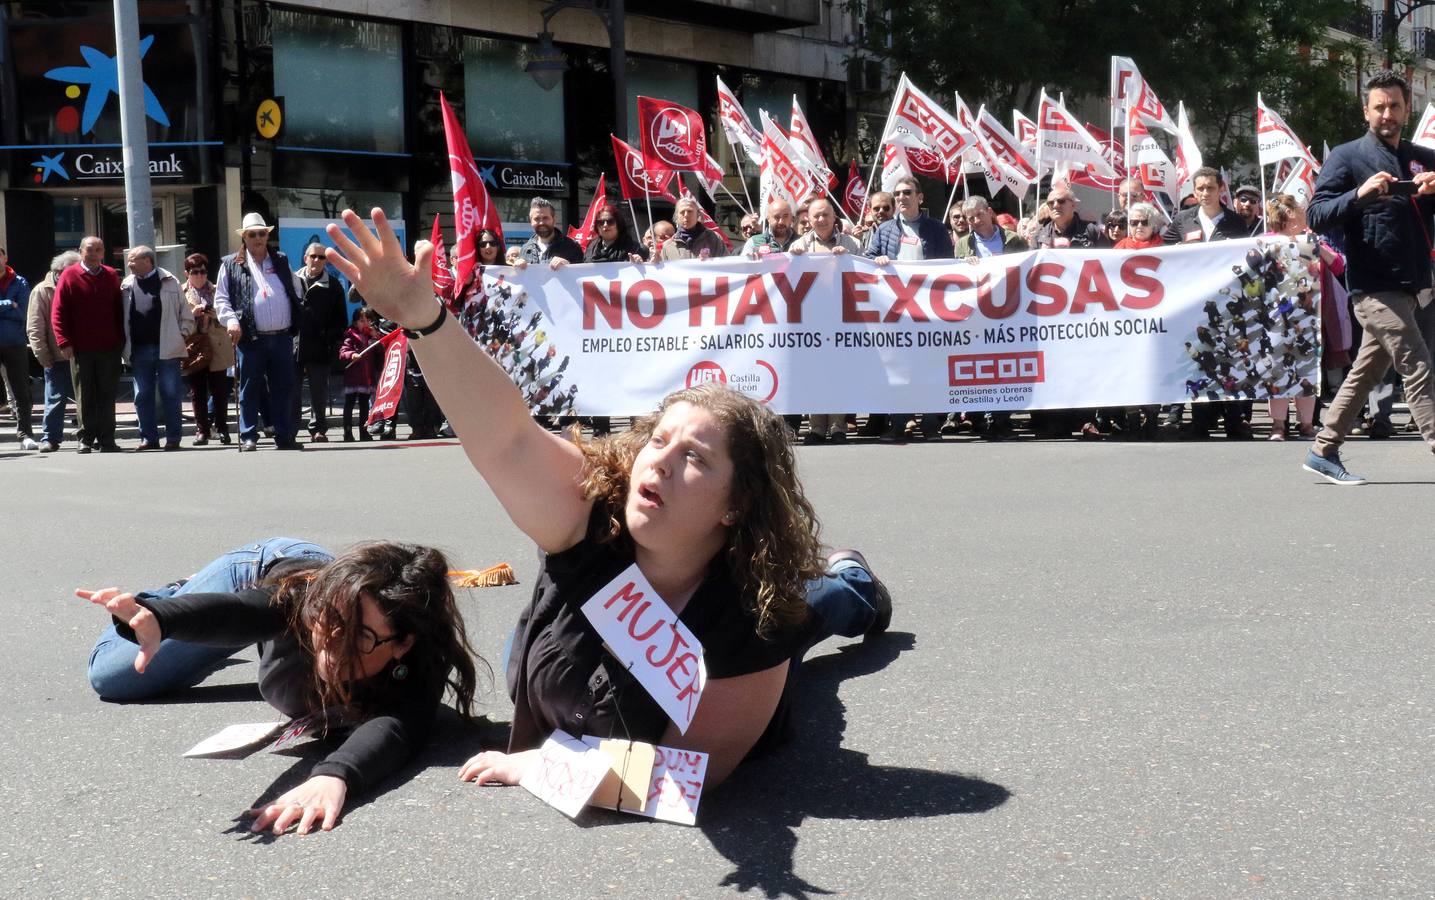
758, 381
100, 77
980, 369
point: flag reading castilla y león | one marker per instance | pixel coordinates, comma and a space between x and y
1036, 330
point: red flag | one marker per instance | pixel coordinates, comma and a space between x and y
1114, 154
473, 208
854, 195
584, 235
391, 378
672, 137
635, 181
441, 274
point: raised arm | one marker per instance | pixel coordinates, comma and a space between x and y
533, 473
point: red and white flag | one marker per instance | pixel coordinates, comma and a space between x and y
1115, 155
473, 208
1060, 138
1300, 183
854, 194
918, 123
736, 125
439, 272
672, 137
1129, 90
786, 174
1025, 130
804, 141
585, 233
1424, 132
894, 166
391, 377
710, 176
635, 182
997, 173
1005, 146
1188, 155
1274, 138
1149, 161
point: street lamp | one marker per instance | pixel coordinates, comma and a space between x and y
548, 63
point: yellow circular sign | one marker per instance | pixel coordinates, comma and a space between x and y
268, 118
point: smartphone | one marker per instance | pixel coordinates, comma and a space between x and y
1403, 188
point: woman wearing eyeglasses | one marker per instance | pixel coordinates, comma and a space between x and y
1142, 228
613, 241
210, 383
370, 640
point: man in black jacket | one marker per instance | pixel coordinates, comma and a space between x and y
323, 317
1365, 193
548, 243
1209, 220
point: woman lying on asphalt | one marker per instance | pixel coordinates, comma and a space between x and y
703, 496
372, 636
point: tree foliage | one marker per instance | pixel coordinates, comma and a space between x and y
1214, 55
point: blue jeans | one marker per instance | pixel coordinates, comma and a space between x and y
59, 390
267, 361
151, 372
844, 601
178, 664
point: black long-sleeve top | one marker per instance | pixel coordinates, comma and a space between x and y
397, 715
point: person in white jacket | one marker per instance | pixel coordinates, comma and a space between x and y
157, 320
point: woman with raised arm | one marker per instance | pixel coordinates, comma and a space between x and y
367, 642
702, 496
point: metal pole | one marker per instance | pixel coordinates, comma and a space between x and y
139, 201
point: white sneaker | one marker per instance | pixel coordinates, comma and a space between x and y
28, 444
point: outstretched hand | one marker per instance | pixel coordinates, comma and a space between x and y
494, 767
376, 266
123, 607
318, 801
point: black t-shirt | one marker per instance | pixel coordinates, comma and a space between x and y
560, 676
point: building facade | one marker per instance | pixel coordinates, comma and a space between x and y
357, 83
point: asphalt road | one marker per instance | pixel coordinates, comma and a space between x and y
1115, 670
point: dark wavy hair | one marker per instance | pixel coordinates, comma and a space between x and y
773, 550
410, 584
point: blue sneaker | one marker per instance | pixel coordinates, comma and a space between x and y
1330, 468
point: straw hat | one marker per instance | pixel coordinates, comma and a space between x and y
252, 221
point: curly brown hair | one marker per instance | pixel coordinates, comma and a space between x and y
410, 584
773, 550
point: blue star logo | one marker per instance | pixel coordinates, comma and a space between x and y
47, 165
102, 74
486, 173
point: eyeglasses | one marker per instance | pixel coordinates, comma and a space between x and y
315, 256
881, 209
488, 243
603, 223
904, 192
197, 270
255, 234
1058, 201
1139, 223
368, 642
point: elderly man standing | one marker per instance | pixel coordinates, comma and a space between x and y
157, 320
693, 239
825, 237
985, 239
323, 319
1067, 228
777, 236
257, 300
59, 386
14, 350
89, 330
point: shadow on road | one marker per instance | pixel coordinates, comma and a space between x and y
753, 819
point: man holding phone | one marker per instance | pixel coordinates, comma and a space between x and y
1376, 191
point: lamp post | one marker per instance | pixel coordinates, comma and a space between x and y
548, 63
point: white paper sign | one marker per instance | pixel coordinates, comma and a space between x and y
566, 774
234, 737
642, 631
676, 784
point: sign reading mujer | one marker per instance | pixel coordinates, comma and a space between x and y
1045, 329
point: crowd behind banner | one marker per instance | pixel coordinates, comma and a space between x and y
175, 333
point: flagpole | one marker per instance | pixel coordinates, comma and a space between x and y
1260, 165
634, 214
837, 205
737, 158
648, 201
745, 209
951, 198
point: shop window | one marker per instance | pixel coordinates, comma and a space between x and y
675, 81
506, 114
774, 94
319, 203
342, 81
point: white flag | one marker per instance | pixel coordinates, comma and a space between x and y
1147, 158
1129, 90
1275, 140
894, 166
915, 121
1060, 138
999, 174
785, 173
805, 142
1424, 132
736, 125
1005, 146
1188, 155
1300, 183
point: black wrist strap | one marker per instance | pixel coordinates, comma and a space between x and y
430, 329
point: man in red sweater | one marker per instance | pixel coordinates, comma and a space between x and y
89, 331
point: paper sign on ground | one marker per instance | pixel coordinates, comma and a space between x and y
675, 785
234, 737
642, 631
631, 768
566, 773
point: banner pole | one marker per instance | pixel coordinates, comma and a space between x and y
1126, 132
735, 200
737, 159
951, 198
1263, 190
634, 215
648, 202
837, 205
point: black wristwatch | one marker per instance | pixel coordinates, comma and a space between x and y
430, 329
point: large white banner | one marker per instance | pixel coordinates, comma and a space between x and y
1038, 330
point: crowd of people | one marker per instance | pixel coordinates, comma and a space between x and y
258, 323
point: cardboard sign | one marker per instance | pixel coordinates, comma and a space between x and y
566, 774
641, 630
674, 783
630, 769
234, 737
